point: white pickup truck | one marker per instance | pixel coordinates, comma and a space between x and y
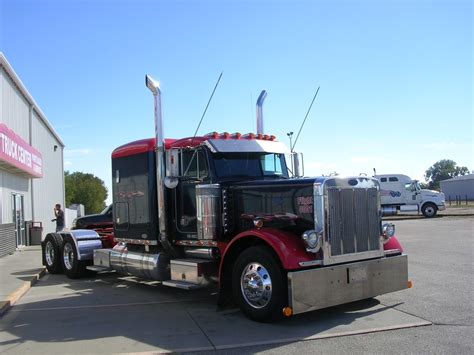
399, 193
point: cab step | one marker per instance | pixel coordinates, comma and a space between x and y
191, 273
182, 285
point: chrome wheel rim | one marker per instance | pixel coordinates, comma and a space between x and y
49, 253
430, 211
68, 256
256, 285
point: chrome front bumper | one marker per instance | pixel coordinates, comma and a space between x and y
318, 288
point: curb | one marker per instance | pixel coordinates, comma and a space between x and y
13, 297
408, 217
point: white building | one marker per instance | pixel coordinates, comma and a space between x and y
31, 163
459, 187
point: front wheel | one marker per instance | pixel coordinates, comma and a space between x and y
429, 210
73, 267
258, 284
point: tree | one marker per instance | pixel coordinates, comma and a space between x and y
86, 189
442, 170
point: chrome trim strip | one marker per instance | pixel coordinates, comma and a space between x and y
136, 241
209, 243
310, 263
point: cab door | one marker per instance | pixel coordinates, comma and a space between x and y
193, 171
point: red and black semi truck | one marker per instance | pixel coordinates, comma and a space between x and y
226, 209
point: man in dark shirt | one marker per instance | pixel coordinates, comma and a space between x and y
59, 214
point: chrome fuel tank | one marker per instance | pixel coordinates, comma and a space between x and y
144, 265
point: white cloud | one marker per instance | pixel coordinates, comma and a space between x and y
67, 163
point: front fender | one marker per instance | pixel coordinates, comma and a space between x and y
86, 241
289, 247
393, 244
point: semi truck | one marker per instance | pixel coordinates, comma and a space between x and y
224, 209
399, 193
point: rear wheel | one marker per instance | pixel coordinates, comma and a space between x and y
258, 285
73, 267
52, 253
429, 210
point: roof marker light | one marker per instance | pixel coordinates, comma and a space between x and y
214, 135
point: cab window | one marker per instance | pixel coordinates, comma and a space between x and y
271, 164
193, 164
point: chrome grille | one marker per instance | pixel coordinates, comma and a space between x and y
353, 221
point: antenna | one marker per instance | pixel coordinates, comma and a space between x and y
205, 110
305, 117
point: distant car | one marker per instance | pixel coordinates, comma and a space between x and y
101, 220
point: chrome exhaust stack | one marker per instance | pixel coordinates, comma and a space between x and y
260, 100
154, 87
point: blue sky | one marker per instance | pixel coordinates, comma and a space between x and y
395, 76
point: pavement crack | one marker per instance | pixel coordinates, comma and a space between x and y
200, 328
406, 312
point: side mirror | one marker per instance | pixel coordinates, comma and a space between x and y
171, 182
297, 164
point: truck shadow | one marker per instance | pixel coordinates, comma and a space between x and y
112, 313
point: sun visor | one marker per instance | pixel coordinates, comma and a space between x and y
246, 146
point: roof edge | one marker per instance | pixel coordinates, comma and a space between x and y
16, 79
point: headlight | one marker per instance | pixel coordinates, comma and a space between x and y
313, 240
388, 231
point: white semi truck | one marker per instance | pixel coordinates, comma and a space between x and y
399, 193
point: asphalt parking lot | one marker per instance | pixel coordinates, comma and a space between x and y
117, 314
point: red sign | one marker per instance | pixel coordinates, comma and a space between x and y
17, 153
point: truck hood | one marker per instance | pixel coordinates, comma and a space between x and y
431, 193
340, 181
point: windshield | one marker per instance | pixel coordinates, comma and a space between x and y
106, 209
254, 165
413, 186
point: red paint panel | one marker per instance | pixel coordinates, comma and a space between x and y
137, 147
148, 145
186, 142
290, 248
392, 244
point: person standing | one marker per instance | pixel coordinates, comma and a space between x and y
59, 214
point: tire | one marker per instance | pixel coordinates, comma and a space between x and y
429, 210
73, 268
258, 285
52, 253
